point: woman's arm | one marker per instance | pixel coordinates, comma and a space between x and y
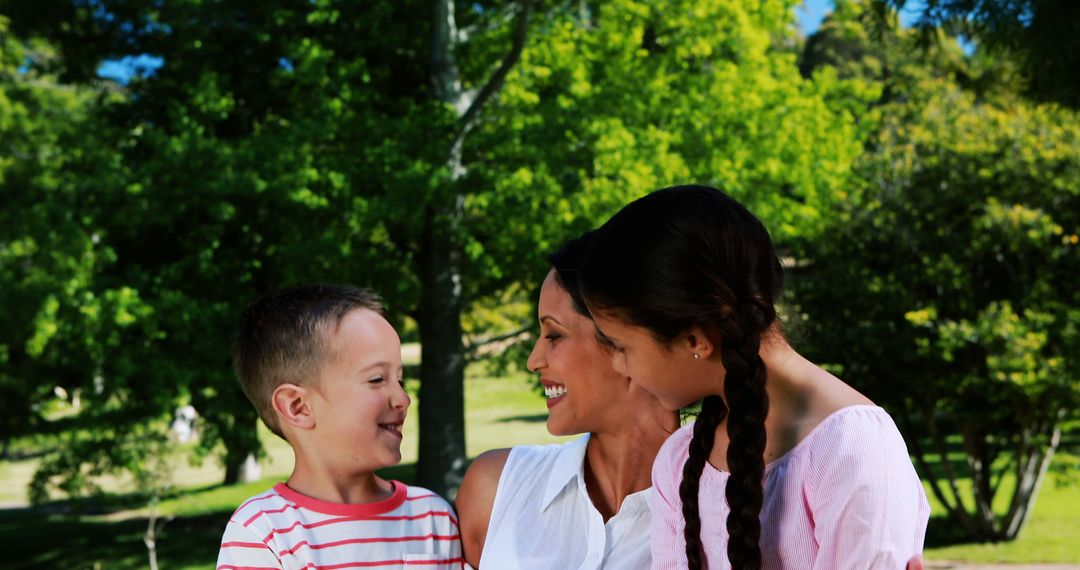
475, 499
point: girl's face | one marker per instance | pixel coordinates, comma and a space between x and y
668, 372
579, 382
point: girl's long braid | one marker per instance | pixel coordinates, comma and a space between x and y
712, 413
744, 389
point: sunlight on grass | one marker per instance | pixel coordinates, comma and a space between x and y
1052, 533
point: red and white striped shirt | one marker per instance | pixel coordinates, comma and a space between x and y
282, 529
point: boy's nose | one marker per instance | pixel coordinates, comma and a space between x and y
401, 399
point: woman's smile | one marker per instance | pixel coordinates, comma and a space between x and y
554, 391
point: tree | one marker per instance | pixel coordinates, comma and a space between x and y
1043, 36
70, 330
435, 151
941, 289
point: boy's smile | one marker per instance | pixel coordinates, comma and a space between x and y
394, 427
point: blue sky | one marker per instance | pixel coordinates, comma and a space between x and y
812, 12
809, 15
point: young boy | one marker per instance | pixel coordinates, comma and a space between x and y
323, 369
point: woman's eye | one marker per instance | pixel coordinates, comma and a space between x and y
553, 336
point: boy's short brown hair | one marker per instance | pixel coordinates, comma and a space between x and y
285, 337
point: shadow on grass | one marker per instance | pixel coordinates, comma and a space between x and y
62, 534
59, 541
943, 531
105, 503
532, 418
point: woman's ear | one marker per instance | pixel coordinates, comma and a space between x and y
290, 404
700, 342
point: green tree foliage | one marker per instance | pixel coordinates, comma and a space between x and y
42, 255
435, 151
942, 288
1043, 36
70, 329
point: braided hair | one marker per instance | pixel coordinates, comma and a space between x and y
692, 256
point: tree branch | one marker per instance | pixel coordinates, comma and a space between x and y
960, 513
468, 119
445, 79
927, 471
473, 348
495, 22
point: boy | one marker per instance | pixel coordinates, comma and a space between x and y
323, 369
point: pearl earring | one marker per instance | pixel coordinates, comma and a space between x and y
696, 355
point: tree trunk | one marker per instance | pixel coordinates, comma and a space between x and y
150, 537
442, 357
442, 458
242, 447
956, 510
979, 465
1027, 486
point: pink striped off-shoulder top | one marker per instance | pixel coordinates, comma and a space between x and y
845, 497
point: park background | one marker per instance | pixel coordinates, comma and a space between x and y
163, 163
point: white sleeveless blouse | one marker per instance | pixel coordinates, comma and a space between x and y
542, 517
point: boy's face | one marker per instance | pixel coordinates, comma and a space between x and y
359, 401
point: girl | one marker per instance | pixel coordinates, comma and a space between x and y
787, 466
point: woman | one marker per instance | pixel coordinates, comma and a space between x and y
583, 504
787, 466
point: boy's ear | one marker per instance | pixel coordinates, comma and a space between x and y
290, 403
701, 342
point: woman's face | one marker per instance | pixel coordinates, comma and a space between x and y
579, 382
668, 372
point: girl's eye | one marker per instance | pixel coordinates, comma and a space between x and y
376, 380
605, 342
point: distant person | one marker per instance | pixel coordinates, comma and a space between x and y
323, 369
786, 466
183, 425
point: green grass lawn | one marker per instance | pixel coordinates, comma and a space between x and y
1052, 533
500, 412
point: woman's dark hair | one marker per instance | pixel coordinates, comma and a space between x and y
692, 256
566, 261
